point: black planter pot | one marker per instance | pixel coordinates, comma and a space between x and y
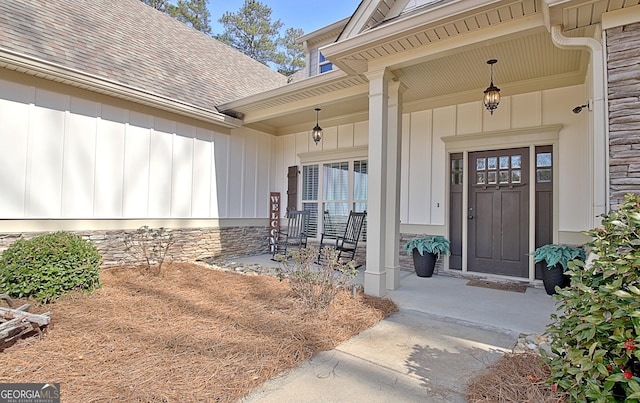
553, 277
424, 264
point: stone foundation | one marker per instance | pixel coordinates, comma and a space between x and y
191, 244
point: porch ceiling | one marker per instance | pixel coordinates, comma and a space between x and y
442, 60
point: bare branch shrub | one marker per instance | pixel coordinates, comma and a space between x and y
316, 284
149, 247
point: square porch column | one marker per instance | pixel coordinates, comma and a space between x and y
394, 151
383, 208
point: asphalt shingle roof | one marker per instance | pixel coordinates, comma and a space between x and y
133, 44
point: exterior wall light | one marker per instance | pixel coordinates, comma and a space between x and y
492, 93
316, 132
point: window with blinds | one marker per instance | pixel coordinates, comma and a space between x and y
344, 188
310, 197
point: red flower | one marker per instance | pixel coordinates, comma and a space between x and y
554, 387
628, 374
630, 345
609, 368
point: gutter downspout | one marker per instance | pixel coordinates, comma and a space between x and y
600, 169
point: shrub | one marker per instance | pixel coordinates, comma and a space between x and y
149, 246
597, 336
316, 284
47, 266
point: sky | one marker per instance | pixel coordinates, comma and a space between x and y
309, 15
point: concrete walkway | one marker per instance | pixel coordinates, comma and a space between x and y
444, 332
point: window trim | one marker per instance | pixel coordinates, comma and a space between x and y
320, 158
352, 153
323, 61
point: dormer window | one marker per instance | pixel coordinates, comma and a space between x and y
324, 64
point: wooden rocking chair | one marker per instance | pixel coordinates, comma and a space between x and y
295, 235
347, 243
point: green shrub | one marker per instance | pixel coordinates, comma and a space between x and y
597, 335
47, 266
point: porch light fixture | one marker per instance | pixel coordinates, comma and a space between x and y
579, 108
316, 132
492, 93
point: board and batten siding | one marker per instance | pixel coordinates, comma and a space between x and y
424, 156
70, 156
623, 76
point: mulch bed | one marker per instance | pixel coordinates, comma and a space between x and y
513, 378
189, 334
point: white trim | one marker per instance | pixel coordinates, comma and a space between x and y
44, 225
76, 78
621, 17
503, 139
339, 154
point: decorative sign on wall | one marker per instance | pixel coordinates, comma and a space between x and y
274, 219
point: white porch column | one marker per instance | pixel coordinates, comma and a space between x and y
394, 148
375, 275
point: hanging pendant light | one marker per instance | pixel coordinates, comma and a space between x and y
316, 132
492, 93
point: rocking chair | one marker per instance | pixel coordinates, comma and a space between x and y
348, 242
295, 235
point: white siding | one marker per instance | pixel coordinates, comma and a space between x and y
424, 159
64, 156
13, 147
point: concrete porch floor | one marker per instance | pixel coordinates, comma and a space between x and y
447, 297
444, 332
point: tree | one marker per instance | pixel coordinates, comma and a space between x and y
191, 12
251, 31
290, 58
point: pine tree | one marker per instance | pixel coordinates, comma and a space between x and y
192, 12
290, 58
251, 31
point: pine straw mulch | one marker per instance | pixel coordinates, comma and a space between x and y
190, 334
513, 378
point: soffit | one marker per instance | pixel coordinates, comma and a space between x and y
456, 73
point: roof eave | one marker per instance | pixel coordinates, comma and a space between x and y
316, 80
380, 34
58, 73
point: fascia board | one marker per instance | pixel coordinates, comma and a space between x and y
623, 16
322, 32
296, 86
401, 27
57, 73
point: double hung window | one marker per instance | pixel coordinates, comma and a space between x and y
330, 190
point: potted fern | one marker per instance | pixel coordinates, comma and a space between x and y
556, 257
426, 250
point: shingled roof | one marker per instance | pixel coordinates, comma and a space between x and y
130, 43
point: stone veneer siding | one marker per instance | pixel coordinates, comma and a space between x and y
623, 61
191, 244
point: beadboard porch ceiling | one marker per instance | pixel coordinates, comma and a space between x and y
441, 61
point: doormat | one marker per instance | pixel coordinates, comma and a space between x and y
498, 286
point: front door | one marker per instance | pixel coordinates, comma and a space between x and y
498, 215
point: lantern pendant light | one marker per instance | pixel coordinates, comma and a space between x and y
492, 93
316, 132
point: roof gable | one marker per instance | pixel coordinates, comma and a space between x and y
130, 43
371, 13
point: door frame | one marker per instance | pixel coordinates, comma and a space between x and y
497, 140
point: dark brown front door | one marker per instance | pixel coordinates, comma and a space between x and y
498, 213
